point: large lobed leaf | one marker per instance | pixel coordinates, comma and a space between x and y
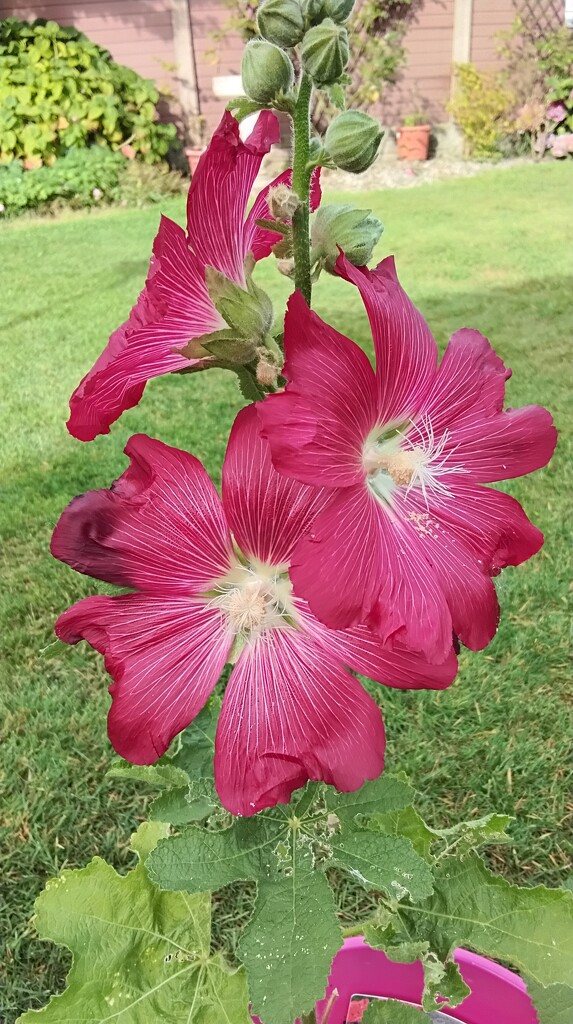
139, 954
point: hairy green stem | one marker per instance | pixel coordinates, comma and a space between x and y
301, 174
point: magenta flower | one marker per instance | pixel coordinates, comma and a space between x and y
175, 307
211, 585
409, 538
556, 111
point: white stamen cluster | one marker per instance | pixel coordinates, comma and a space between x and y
255, 598
410, 458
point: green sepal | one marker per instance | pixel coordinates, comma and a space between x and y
249, 313
162, 775
241, 107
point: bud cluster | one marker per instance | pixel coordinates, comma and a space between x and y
316, 26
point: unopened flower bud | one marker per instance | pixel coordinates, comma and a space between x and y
355, 231
281, 22
286, 267
313, 11
352, 140
248, 312
324, 52
266, 71
283, 202
267, 370
338, 10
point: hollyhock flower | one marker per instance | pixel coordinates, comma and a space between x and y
556, 111
175, 307
409, 538
210, 580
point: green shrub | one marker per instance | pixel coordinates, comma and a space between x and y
84, 178
59, 90
481, 107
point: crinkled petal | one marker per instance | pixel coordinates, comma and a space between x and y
160, 528
292, 713
337, 567
259, 240
389, 663
470, 382
510, 444
220, 191
164, 655
490, 523
173, 308
268, 513
406, 353
317, 427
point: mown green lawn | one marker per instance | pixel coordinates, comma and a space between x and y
489, 252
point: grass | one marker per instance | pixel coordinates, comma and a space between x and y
487, 252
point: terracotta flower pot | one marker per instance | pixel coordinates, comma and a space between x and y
413, 142
497, 995
193, 153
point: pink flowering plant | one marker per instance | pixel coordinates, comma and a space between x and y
354, 545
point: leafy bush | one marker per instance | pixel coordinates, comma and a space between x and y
59, 90
481, 107
540, 73
82, 179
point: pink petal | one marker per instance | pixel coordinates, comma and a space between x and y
392, 663
358, 565
406, 353
268, 513
490, 523
463, 581
173, 308
510, 444
470, 382
292, 713
165, 656
160, 528
260, 241
337, 567
220, 191
317, 428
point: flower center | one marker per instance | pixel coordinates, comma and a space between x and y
408, 457
255, 597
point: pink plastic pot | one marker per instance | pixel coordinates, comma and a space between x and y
497, 995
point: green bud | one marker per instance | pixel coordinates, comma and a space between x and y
266, 71
324, 52
248, 314
355, 231
281, 22
338, 10
352, 140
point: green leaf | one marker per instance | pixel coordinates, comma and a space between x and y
195, 755
156, 775
138, 954
289, 943
554, 1004
471, 907
443, 980
383, 862
241, 106
392, 1011
180, 806
470, 835
202, 861
407, 823
386, 793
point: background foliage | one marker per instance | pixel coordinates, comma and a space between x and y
59, 90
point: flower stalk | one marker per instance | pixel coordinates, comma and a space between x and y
301, 186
